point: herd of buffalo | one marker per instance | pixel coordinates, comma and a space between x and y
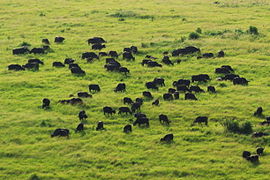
133, 107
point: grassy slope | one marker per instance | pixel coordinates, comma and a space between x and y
198, 152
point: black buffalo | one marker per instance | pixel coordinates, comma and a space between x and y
37, 61
260, 151
196, 89
87, 55
100, 126
201, 119
211, 89
258, 112
45, 41
84, 95
128, 56
59, 39
94, 88
69, 61
159, 81
141, 121
127, 100
163, 119
127, 129
151, 85
147, 94
96, 40
15, 67
221, 54
156, 102
246, 154
190, 96
98, 46
200, 78
240, 81
45, 103
60, 132
37, 51
77, 71
166, 60
121, 87
113, 54
108, 110
167, 138
58, 64
125, 110
167, 97
23, 50
82, 115
80, 127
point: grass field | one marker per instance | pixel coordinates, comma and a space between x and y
199, 152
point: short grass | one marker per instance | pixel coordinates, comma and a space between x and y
28, 152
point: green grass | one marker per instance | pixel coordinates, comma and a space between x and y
26, 148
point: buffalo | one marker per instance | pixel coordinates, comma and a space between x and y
84, 95
167, 138
58, 64
37, 51
156, 102
190, 96
45, 103
78, 71
60, 132
127, 129
94, 88
98, 46
121, 87
240, 81
141, 121
96, 40
23, 50
185, 51
113, 54
45, 41
211, 89
201, 119
258, 112
196, 89
82, 115
147, 94
15, 67
260, 151
125, 110
127, 100
37, 61
80, 127
200, 78
108, 110
59, 39
163, 119
167, 97
128, 56
87, 55
151, 85
100, 126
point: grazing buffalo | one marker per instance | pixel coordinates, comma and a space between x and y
176, 95
222, 71
31, 66
100, 54
253, 158
16, 67
69, 61
240, 81
163, 119
159, 81
200, 78
87, 55
59, 39
127, 129
73, 65
45, 103
98, 46
124, 70
230, 77
78, 71
37, 61
147, 94
259, 134
151, 85
135, 107
182, 82
125, 110
208, 55
37, 51
141, 121
196, 89
167, 138
96, 40
94, 88
168, 97
84, 95
190, 96
171, 90
229, 68
153, 64
182, 88
258, 112
80, 127
108, 110
201, 119
151, 57
139, 100
46, 41
113, 54
60, 132
156, 102
58, 64
246, 154
185, 51
134, 49
221, 54
166, 60
82, 115
23, 50
145, 61
121, 87
127, 100
73, 101
211, 89
260, 151
100, 126
265, 123
128, 56
112, 67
